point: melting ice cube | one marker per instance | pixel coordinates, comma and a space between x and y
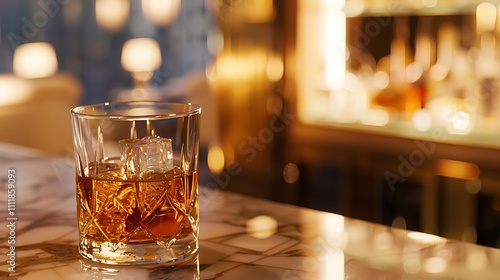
141, 157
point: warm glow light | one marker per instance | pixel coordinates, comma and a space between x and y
141, 55
486, 14
229, 66
12, 91
274, 69
460, 123
422, 120
435, 265
334, 35
333, 226
457, 169
440, 109
426, 238
112, 14
35, 60
161, 12
262, 227
215, 159
334, 268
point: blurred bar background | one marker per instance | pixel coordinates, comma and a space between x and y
386, 111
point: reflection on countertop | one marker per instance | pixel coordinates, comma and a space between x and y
240, 238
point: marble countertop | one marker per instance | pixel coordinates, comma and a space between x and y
240, 237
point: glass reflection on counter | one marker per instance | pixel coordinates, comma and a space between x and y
324, 244
425, 238
476, 260
188, 270
333, 247
262, 227
435, 265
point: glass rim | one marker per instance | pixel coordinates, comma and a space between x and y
109, 110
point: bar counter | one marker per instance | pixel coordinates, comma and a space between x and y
240, 237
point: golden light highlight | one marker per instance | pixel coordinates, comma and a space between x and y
13, 91
426, 238
262, 227
112, 14
216, 159
161, 12
141, 55
486, 14
35, 60
274, 68
457, 169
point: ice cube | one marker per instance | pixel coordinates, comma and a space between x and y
145, 156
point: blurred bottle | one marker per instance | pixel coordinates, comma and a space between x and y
451, 84
417, 72
393, 97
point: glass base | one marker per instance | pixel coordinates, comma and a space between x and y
139, 254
